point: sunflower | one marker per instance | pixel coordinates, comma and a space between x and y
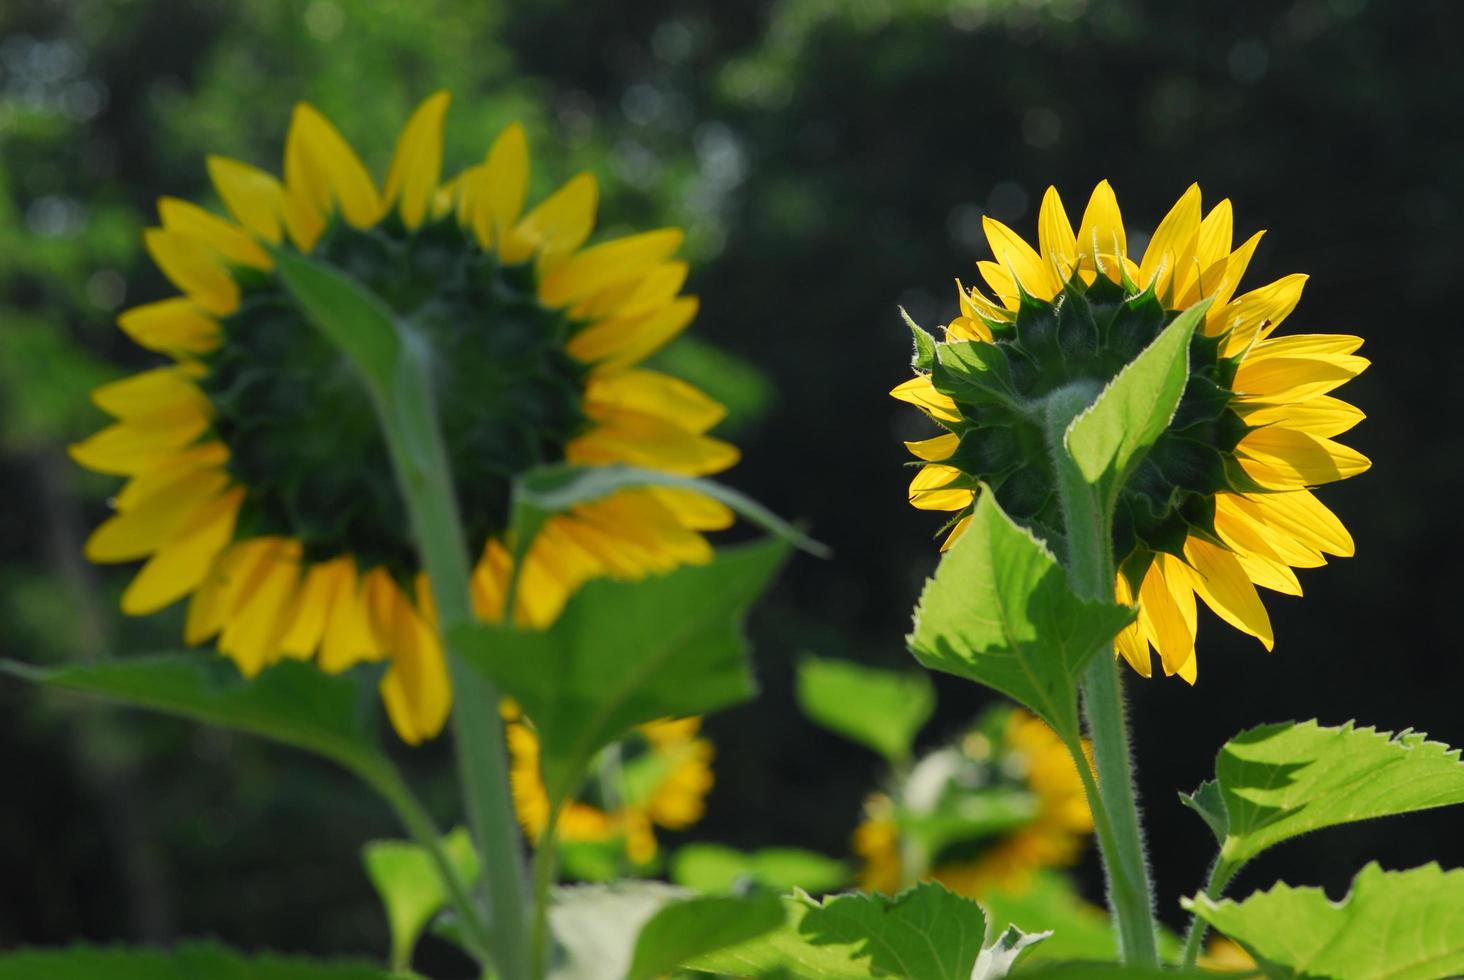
258, 484
658, 776
1003, 803
1223, 501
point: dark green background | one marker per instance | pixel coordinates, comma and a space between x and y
831, 161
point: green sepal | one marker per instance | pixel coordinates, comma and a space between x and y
924, 357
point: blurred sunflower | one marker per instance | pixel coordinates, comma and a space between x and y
258, 483
658, 776
1223, 501
983, 814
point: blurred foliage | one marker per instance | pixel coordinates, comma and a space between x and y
831, 162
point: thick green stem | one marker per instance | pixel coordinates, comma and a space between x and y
422, 469
1220, 875
1090, 569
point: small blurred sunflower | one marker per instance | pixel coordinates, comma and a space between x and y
658, 776
1222, 502
986, 813
258, 483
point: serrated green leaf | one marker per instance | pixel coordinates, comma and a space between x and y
290, 702
544, 491
1000, 611
1393, 925
188, 961
410, 888
880, 709
715, 868
925, 932
1109, 440
684, 930
1209, 803
622, 654
1279, 781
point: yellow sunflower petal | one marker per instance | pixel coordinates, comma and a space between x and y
179, 565
507, 182
417, 164
137, 446
1301, 459
322, 169
1294, 379
194, 268
608, 264
348, 638
171, 326
999, 280
958, 529
654, 393
150, 392
1219, 580
1320, 416
1024, 264
251, 635
1302, 515
1254, 315
138, 532
255, 198
167, 469
420, 707
1055, 236
927, 489
1241, 530
556, 228
313, 602
228, 240
622, 436
920, 392
1162, 618
223, 586
1172, 247
935, 449
651, 292
1130, 643
623, 342
1101, 232
1216, 235
695, 510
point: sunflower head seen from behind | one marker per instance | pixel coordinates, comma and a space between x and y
258, 485
1223, 500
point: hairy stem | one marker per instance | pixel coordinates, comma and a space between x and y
1090, 569
1220, 874
546, 854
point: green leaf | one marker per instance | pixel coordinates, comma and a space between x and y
880, 709
1108, 441
188, 961
622, 654
290, 702
684, 930
1049, 902
352, 317
544, 491
1278, 781
1088, 970
1000, 611
926, 932
1393, 925
715, 868
410, 888
644, 929
1209, 803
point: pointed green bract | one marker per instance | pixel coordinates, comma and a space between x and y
290, 702
622, 654
880, 709
188, 961
1109, 440
1279, 781
410, 887
1000, 611
1393, 925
